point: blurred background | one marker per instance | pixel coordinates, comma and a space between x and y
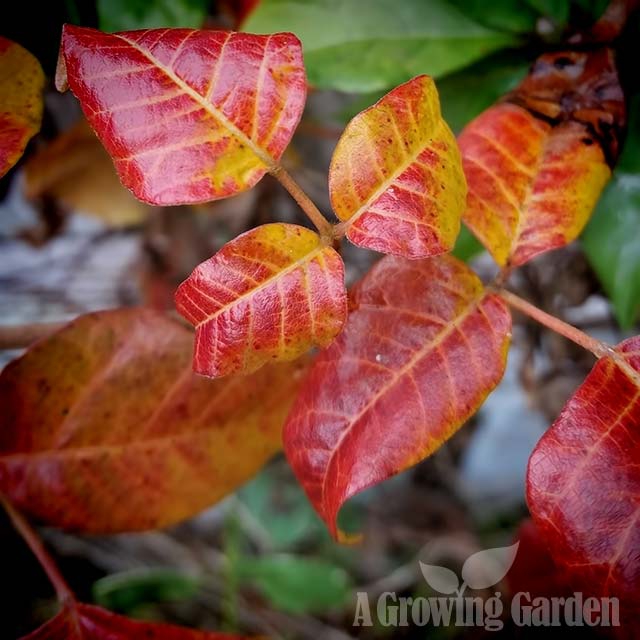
72, 240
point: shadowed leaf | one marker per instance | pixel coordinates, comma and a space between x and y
187, 116
121, 15
396, 179
583, 481
422, 348
536, 164
105, 428
85, 622
76, 170
611, 241
485, 568
272, 293
440, 578
356, 50
21, 85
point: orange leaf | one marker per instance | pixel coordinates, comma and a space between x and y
421, 350
270, 294
76, 170
21, 85
84, 622
583, 482
187, 116
396, 179
104, 427
536, 164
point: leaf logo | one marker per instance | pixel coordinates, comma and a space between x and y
480, 571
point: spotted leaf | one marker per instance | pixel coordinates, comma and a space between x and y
396, 180
270, 294
583, 481
537, 163
105, 428
422, 348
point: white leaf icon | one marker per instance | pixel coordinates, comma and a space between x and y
486, 568
440, 578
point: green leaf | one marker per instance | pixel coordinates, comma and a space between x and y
467, 246
358, 48
557, 10
467, 93
124, 592
295, 584
612, 238
505, 15
122, 15
278, 503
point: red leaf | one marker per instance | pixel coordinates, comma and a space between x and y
583, 483
21, 85
272, 293
105, 428
421, 350
396, 178
187, 116
537, 163
84, 622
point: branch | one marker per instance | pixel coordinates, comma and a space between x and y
23, 335
596, 347
64, 593
306, 204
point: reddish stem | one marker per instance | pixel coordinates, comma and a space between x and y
306, 204
64, 593
596, 347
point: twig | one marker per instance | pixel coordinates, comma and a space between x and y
306, 204
64, 593
596, 347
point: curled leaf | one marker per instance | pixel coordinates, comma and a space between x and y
187, 116
270, 294
422, 348
440, 578
396, 179
583, 481
537, 163
105, 428
485, 568
21, 85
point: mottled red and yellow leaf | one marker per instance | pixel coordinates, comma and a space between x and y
187, 116
105, 428
422, 348
396, 180
583, 481
21, 85
78, 621
536, 163
270, 294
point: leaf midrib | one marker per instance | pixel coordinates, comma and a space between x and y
347, 224
307, 257
474, 303
207, 106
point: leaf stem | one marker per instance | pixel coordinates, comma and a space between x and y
20, 336
306, 204
574, 334
64, 593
